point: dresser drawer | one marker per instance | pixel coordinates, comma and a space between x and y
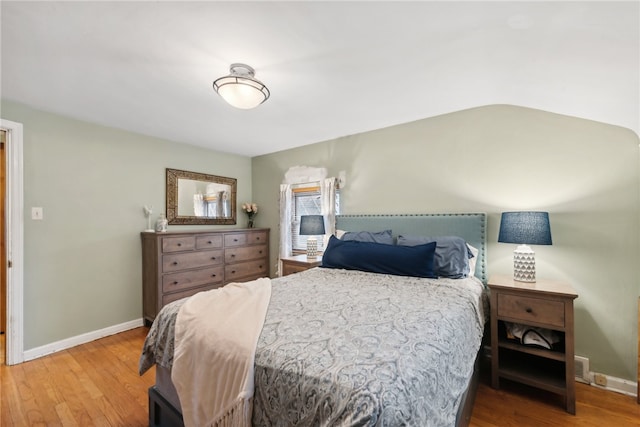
189, 260
527, 309
235, 239
257, 237
192, 278
176, 244
241, 239
208, 242
243, 269
167, 298
245, 254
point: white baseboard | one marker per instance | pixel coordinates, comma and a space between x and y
44, 350
617, 385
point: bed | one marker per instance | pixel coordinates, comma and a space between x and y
340, 346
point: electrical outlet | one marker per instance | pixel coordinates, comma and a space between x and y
37, 213
582, 369
600, 379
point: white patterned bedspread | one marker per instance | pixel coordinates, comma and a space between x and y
349, 348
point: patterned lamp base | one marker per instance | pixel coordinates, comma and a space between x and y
524, 264
312, 247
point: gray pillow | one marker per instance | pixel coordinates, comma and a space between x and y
384, 237
451, 259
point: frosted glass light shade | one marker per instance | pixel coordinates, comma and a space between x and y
240, 89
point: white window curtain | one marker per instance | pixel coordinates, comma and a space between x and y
328, 204
286, 216
298, 175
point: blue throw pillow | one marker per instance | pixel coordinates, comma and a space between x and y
452, 254
414, 261
384, 237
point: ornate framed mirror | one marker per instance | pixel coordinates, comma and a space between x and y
200, 199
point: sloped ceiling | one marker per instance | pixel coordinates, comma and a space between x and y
333, 68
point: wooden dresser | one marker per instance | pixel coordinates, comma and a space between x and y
179, 264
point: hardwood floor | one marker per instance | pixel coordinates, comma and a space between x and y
98, 384
93, 384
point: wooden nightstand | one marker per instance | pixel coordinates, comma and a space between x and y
298, 263
546, 304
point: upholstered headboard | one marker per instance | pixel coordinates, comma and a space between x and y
469, 226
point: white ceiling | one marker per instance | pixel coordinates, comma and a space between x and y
333, 68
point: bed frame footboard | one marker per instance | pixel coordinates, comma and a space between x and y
161, 412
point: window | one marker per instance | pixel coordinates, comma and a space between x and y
306, 201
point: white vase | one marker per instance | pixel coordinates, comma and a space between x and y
161, 224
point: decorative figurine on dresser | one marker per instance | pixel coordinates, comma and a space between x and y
179, 264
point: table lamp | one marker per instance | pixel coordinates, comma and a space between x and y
312, 225
525, 228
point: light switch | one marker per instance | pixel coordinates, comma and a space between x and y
36, 213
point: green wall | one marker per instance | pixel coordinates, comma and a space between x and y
82, 263
498, 158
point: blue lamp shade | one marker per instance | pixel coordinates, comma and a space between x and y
525, 228
311, 225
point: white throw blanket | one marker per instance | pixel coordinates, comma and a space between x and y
216, 334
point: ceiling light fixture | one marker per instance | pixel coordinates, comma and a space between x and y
240, 88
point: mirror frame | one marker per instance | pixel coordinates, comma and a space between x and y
172, 198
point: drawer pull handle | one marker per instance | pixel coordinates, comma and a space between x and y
175, 283
260, 266
213, 275
233, 255
175, 262
528, 310
233, 272
260, 252
235, 240
210, 242
179, 244
213, 257
257, 238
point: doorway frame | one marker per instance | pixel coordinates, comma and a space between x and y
14, 202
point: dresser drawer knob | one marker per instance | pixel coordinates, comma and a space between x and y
210, 242
213, 257
528, 310
175, 263
213, 275
233, 255
235, 240
257, 238
179, 244
260, 252
233, 272
175, 282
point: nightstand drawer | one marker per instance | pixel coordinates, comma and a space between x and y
291, 269
543, 311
